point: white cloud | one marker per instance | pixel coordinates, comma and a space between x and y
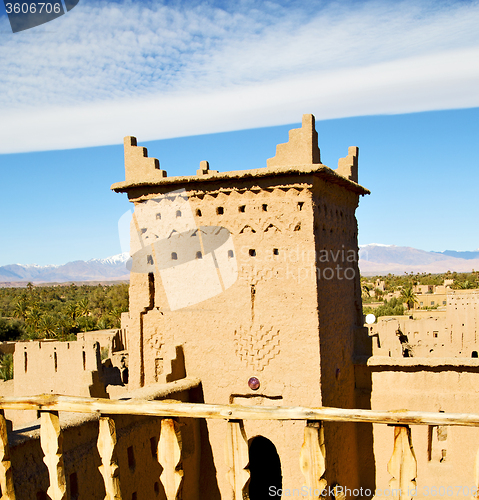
108, 69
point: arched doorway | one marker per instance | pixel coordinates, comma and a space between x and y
265, 470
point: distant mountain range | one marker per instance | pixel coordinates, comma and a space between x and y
112, 268
374, 259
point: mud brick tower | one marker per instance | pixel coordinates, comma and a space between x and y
249, 281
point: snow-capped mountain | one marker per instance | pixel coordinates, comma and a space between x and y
376, 259
111, 268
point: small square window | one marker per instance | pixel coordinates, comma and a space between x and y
220, 211
242, 208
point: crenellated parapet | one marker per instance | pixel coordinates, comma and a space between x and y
138, 167
301, 149
348, 166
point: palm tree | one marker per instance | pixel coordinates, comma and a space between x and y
21, 309
33, 317
6, 367
47, 326
71, 310
408, 296
83, 307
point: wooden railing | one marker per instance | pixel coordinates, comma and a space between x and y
402, 465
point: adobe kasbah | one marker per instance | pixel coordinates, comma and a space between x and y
244, 369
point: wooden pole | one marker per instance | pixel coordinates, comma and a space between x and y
109, 461
235, 412
237, 458
169, 457
51, 440
6, 475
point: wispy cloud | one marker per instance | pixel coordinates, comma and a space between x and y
108, 69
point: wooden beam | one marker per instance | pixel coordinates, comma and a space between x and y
313, 459
237, 458
6, 476
51, 440
169, 457
109, 461
235, 412
402, 465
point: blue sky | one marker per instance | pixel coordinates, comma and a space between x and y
224, 82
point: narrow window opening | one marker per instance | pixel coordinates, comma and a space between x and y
252, 252
25, 361
74, 494
55, 360
154, 447
230, 254
84, 359
242, 208
178, 213
149, 259
198, 212
300, 205
265, 207
220, 210
174, 256
199, 255
156, 487
131, 458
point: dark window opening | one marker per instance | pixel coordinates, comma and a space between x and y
131, 458
242, 208
158, 216
84, 359
199, 255
300, 205
143, 230
198, 212
265, 207
474, 354
252, 252
74, 493
298, 226
220, 211
55, 360
275, 251
156, 487
230, 254
154, 447
149, 259
178, 213
265, 469
174, 256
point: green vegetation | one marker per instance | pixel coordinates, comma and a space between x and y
6, 366
394, 307
408, 296
60, 312
404, 285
